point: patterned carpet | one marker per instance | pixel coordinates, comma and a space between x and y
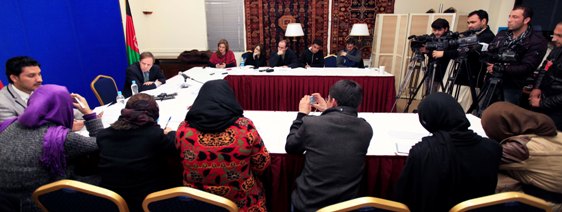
345, 13
266, 22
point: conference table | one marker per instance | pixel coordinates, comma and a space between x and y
393, 135
282, 89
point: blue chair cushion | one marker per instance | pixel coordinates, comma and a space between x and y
183, 203
106, 89
72, 200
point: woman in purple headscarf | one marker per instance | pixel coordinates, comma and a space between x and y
35, 146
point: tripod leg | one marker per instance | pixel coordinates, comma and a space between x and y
405, 82
412, 97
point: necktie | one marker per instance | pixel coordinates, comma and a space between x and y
145, 74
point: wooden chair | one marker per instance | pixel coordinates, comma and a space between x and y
186, 199
104, 88
70, 195
500, 198
363, 202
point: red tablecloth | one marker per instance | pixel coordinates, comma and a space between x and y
380, 177
283, 93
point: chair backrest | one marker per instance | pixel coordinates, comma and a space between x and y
500, 198
247, 54
70, 195
186, 199
104, 88
330, 61
366, 202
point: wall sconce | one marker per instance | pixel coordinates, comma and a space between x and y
294, 30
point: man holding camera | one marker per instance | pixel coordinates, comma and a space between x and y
439, 60
335, 152
529, 48
547, 94
471, 74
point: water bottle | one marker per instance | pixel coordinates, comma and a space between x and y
134, 88
242, 62
120, 98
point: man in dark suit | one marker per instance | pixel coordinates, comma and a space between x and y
284, 57
145, 74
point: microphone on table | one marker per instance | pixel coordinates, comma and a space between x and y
185, 77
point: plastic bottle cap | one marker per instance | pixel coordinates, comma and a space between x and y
134, 82
119, 93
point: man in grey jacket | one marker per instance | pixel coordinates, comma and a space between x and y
24, 76
336, 144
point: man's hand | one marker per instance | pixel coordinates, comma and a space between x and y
306, 66
490, 68
535, 101
321, 104
437, 54
535, 93
148, 83
304, 105
343, 54
77, 125
281, 52
167, 130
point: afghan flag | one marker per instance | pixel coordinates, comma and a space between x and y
131, 39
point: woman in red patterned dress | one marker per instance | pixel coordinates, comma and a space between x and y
221, 150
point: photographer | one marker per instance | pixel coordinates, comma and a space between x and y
438, 61
529, 48
477, 22
547, 95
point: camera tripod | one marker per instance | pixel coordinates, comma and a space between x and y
461, 64
491, 88
416, 64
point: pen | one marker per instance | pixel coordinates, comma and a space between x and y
79, 103
168, 122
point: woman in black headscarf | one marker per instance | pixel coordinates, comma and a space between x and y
136, 154
221, 149
452, 165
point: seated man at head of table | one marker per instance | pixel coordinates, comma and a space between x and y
24, 75
335, 152
145, 74
313, 55
350, 56
284, 57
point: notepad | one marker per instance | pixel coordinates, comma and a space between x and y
403, 148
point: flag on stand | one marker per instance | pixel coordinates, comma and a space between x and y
131, 39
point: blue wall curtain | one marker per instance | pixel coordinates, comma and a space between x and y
73, 40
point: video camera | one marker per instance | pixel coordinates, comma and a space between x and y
450, 41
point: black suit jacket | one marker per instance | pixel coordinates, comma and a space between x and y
134, 73
290, 59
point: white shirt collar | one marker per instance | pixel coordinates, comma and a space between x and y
23, 95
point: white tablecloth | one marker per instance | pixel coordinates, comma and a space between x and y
391, 130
